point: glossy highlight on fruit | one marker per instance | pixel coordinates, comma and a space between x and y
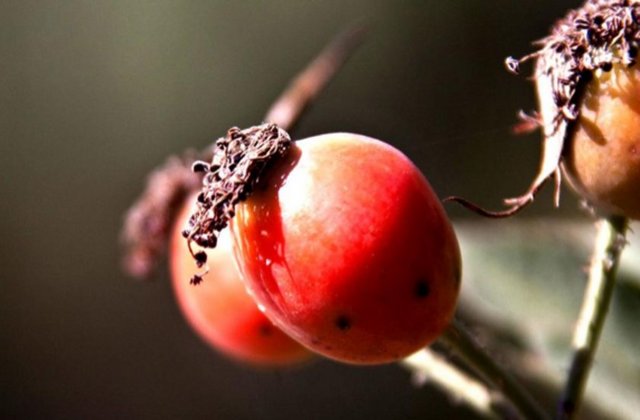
219, 308
602, 161
348, 250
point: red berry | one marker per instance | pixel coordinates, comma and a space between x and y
348, 250
219, 308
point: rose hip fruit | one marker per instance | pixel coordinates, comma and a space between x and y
588, 87
602, 161
219, 308
348, 250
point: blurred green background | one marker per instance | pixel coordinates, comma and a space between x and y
93, 95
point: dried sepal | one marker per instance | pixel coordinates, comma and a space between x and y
147, 223
238, 161
527, 122
588, 40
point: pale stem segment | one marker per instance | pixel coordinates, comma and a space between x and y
460, 342
609, 243
428, 366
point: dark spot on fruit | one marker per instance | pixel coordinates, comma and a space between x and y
266, 330
343, 323
422, 289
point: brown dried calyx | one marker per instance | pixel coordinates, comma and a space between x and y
595, 37
239, 159
148, 222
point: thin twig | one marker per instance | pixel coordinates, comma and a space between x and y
148, 221
609, 244
287, 109
460, 342
428, 366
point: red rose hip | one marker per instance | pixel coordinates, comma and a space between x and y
347, 249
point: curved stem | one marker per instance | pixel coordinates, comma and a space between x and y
609, 244
460, 342
429, 366
286, 110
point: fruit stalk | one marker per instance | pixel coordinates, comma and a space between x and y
428, 366
147, 222
460, 342
286, 110
609, 244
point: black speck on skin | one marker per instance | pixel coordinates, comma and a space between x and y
343, 323
422, 289
266, 330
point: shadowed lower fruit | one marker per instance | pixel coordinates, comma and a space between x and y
219, 308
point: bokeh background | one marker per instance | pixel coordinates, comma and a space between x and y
93, 95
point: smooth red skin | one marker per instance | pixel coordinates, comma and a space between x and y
220, 310
347, 226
